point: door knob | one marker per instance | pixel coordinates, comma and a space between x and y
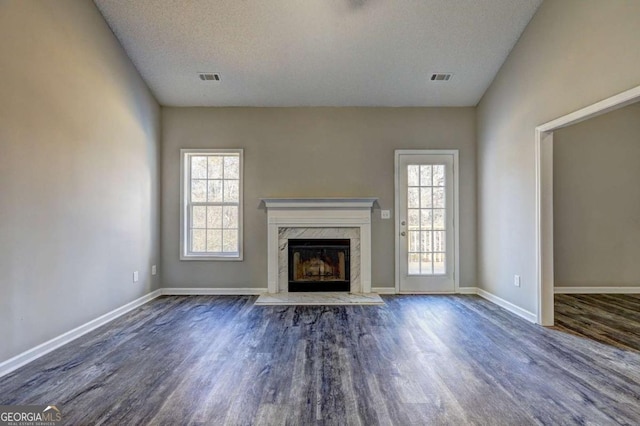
403, 233
403, 223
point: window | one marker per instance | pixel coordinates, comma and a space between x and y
211, 215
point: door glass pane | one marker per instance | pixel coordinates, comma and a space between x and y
414, 241
414, 219
414, 264
438, 198
438, 175
413, 198
426, 219
426, 265
438, 218
413, 175
425, 175
425, 197
439, 263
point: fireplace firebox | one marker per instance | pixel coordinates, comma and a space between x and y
319, 265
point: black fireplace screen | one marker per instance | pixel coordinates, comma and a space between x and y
319, 265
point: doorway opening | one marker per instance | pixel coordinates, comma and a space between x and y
544, 194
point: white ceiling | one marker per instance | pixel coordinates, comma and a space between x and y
318, 52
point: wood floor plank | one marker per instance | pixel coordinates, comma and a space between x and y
220, 360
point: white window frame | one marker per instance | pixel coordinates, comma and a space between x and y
185, 184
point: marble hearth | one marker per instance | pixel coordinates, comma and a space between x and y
330, 218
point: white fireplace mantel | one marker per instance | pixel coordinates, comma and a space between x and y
308, 213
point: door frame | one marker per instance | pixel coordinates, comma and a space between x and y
456, 207
544, 194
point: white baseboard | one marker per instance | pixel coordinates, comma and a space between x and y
26, 357
392, 290
248, 291
522, 313
596, 290
383, 290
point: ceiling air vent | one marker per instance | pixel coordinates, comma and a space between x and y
441, 76
209, 76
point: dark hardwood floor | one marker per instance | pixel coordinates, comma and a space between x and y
418, 360
613, 319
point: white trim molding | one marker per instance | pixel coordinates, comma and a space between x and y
456, 210
213, 291
522, 313
544, 194
185, 203
597, 290
34, 353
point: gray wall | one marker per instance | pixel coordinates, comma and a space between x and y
572, 54
310, 152
79, 172
596, 201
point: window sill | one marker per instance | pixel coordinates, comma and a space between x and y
233, 258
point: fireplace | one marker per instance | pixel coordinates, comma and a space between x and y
319, 265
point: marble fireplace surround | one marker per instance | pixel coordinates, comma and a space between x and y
290, 218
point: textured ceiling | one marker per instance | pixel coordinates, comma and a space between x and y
318, 52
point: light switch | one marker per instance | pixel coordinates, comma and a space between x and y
385, 214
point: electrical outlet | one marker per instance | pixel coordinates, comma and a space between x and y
135, 276
154, 270
516, 280
385, 214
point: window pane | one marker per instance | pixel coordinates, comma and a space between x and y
413, 175
199, 217
198, 167
231, 167
414, 219
438, 219
230, 241
425, 218
198, 240
425, 175
438, 198
230, 217
214, 191
198, 191
215, 167
214, 217
231, 191
414, 241
413, 198
414, 264
426, 265
425, 197
214, 240
438, 175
